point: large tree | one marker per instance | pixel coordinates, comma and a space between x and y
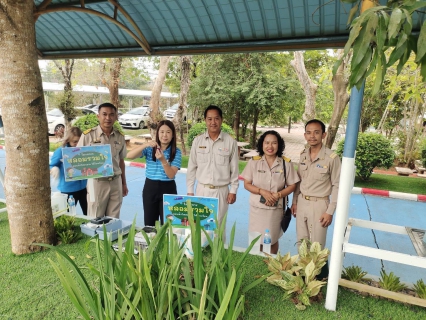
154, 104
246, 86
27, 183
309, 87
113, 79
185, 80
341, 98
66, 104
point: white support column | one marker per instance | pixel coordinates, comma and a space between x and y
341, 216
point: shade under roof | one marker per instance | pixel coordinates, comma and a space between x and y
102, 28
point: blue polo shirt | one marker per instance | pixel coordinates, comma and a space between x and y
154, 169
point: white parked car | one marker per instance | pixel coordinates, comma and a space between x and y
169, 114
135, 118
55, 121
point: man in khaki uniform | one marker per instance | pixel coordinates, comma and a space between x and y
213, 162
315, 197
109, 191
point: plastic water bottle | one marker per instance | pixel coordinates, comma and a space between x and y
71, 205
267, 242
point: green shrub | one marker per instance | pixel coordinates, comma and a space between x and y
390, 282
373, 150
297, 274
65, 229
353, 273
201, 127
420, 289
91, 120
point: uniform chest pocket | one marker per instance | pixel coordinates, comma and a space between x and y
202, 154
115, 149
222, 157
320, 174
303, 170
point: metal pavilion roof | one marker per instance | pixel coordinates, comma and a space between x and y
102, 28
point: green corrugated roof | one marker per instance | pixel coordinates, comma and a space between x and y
167, 27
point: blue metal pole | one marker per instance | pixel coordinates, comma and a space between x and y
345, 189
354, 116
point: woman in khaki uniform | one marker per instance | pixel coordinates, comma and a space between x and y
264, 179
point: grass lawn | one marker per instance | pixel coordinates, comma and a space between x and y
31, 290
393, 183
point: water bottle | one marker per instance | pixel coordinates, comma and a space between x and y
71, 205
267, 242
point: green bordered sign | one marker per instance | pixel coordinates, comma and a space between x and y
87, 162
175, 209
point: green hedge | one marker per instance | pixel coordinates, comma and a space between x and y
201, 127
91, 120
373, 150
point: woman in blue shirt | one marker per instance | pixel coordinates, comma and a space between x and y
75, 188
163, 160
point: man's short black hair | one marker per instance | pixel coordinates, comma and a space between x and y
316, 121
281, 143
106, 105
212, 107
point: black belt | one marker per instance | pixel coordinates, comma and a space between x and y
109, 178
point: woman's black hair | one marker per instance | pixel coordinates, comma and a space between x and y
281, 143
172, 143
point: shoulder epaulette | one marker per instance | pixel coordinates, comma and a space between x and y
286, 159
88, 130
256, 157
333, 155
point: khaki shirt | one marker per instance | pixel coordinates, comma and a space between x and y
96, 136
320, 177
271, 179
213, 162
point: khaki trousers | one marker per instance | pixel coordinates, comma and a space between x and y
220, 193
108, 198
308, 215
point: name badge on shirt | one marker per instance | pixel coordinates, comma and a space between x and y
116, 142
261, 171
321, 167
202, 147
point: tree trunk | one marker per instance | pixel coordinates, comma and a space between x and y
253, 134
66, 104
27, 178
155, 95
309, 87
113, 81
185, 81
341, 99
237, 124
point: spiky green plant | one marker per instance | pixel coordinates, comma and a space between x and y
159, 283
353, 273
390, 282
420, 288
